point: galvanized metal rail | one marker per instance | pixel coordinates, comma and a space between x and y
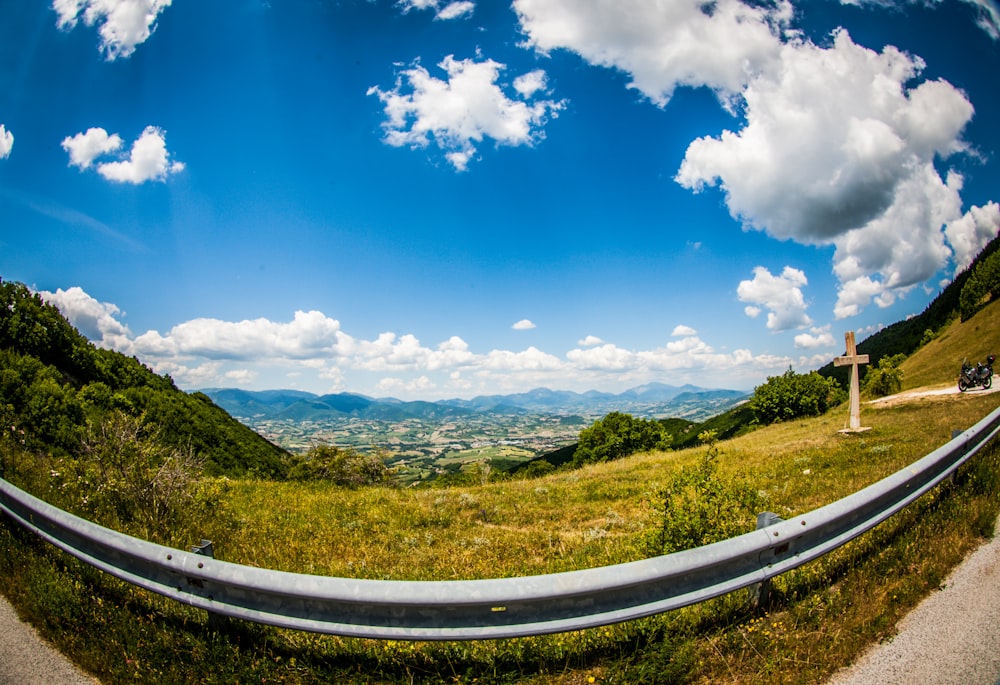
496, 608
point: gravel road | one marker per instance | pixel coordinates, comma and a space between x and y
26, 659
951, 638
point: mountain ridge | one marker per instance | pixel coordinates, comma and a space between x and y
648, 399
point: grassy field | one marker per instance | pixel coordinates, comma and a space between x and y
823, 614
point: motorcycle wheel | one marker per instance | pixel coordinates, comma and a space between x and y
962, 385
987, 382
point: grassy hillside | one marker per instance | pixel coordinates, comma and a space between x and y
56, 388
938, 362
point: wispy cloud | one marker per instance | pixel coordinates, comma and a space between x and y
70, 217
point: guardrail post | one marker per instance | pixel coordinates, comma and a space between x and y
216, 622
760, 594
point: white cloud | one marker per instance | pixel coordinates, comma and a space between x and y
148, 159
308, 335
781, 295
838, 149
662, 45
815, 338
457, 113
6, 142
682, 330
589, 341
523, 325
442, 11
96, 320
314, 351
969, 234
84, 148
529, 84
124, 24
454, 10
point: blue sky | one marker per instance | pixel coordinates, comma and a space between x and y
429, 199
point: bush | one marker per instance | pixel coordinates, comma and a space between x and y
345, 467
618, 435
886, 378
698, 506
793, 395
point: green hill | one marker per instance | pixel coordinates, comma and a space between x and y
54, 383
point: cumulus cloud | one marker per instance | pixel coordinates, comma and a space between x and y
781, 295
682, 330
308, 335
523, 325
313, 347
6, 142
969, 234
84, 148
122, 24
662, 45
98, 321
837, 149
458, 112
147, 160
815, 338
589, 341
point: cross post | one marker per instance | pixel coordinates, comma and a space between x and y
853, 359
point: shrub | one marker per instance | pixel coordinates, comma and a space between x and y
698, 506
886, 378
346, 467
793, 395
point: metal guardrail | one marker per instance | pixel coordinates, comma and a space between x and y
496, 608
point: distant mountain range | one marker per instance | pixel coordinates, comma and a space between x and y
650, 400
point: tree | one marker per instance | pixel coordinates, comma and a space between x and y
618, 435
346, 467
982, 286
792, 395
886, 378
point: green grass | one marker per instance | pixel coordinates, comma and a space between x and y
823, 614
938, 362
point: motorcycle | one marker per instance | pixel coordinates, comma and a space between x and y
979, 375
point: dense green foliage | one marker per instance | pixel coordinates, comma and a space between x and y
793, 395
982, 286
345, 467
617, 435
55, 386
886, 378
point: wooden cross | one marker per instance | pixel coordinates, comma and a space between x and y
853, 359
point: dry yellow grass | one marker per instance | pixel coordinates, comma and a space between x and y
937, 363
